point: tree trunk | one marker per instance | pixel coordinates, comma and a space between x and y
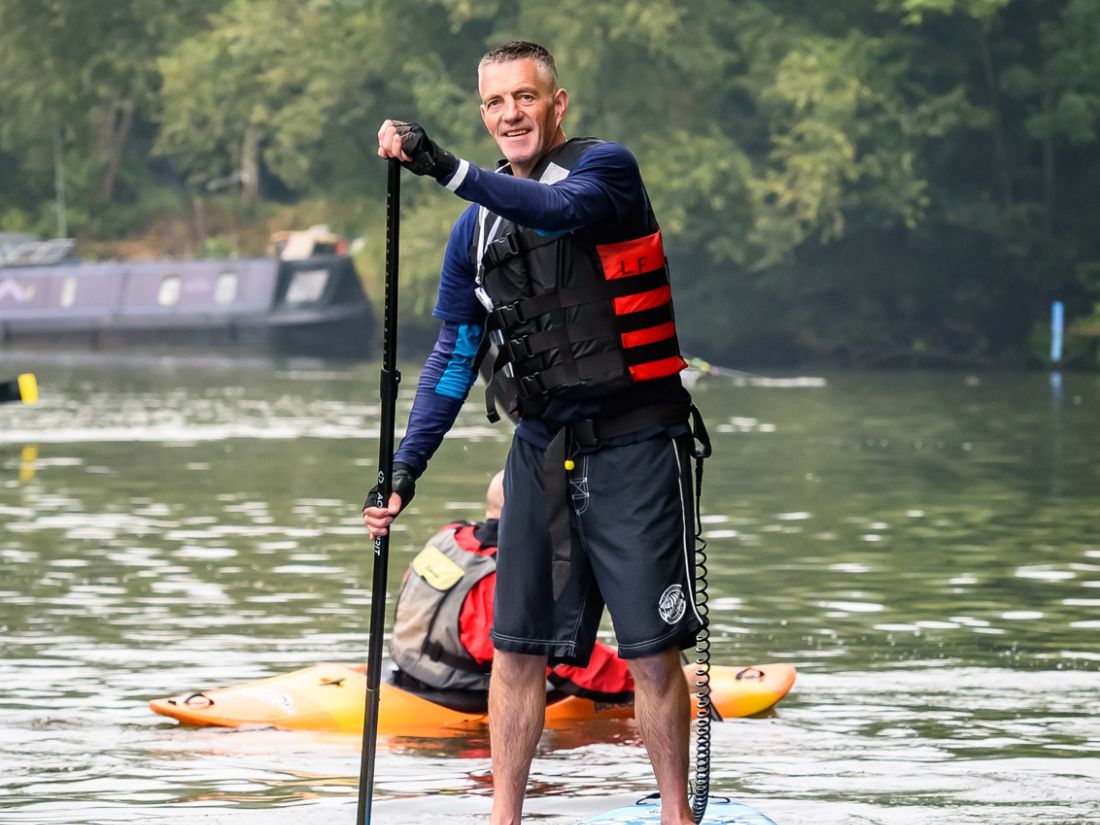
250, 163
1048, 150
59, 184
1002, 180
113, 135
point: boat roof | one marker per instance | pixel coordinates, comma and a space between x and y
21, 249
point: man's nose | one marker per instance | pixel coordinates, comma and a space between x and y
511, 110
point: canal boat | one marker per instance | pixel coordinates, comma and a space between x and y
307, 298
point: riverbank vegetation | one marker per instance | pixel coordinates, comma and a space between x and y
882, 182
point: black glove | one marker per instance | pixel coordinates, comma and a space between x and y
402, 482
427, 157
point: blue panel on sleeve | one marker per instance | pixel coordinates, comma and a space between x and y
459, 375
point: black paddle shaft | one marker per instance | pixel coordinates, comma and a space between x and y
389, 379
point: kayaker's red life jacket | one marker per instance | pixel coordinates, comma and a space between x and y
437, 608
576, 315
426, 642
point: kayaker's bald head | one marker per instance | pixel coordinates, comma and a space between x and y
494, 497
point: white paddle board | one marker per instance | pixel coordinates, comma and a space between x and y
648, 812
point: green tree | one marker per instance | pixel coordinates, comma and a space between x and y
904, 181
75, 81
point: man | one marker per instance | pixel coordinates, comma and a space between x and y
559, 262
441, 624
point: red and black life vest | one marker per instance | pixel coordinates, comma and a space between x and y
576, 315
426, 642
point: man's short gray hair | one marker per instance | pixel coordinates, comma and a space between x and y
521, 50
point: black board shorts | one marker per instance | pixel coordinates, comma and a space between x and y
631, 523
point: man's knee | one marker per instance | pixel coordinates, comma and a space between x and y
518, 666
658, 672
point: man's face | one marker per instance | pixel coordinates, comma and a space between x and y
522, 111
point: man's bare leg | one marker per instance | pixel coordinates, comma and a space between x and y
517, 714
662, 709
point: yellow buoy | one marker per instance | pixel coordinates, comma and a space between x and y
28, 388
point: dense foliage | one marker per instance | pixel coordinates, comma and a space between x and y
873, 182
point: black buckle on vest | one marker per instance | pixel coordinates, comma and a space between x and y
518, 348
509, 315
531, 386
502, 249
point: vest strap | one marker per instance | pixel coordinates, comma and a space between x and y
570, 371
525, 309
435, 651
509, 246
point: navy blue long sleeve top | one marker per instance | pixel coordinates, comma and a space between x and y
604, 187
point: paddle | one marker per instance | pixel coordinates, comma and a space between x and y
23, 388
389, 379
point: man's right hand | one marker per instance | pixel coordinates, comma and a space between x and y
378, 519
403, 486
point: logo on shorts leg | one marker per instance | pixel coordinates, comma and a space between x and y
672, 605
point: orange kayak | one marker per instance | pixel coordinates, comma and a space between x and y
332, 697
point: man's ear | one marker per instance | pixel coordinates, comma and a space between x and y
561, 105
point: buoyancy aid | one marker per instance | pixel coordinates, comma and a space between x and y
426, 642
577, 314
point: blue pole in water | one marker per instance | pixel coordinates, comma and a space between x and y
1057, 328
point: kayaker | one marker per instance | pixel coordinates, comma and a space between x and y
569, 281
445, 609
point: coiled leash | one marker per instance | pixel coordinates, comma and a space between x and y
701, 450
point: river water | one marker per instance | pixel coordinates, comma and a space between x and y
922, 546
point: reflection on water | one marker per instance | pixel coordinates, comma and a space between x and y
921, 546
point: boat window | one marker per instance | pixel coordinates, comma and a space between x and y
225, 288
169, 294
68, 292
307, 286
